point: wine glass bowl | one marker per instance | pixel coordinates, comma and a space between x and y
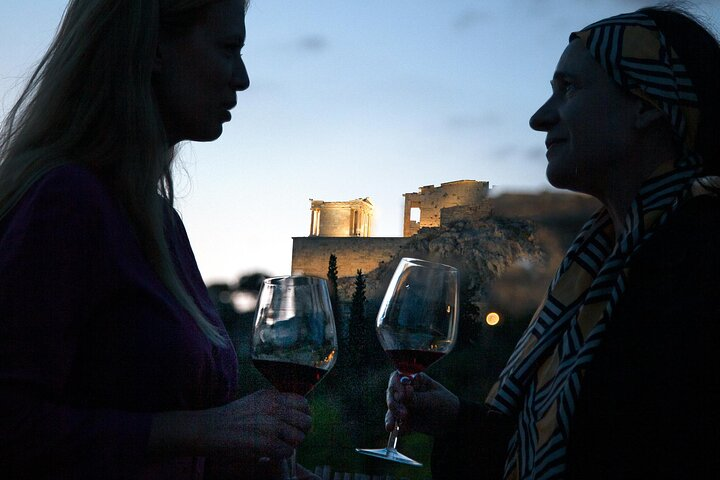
416, 326
294, 341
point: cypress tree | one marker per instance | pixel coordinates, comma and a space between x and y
360, 332
332, 287
357, 307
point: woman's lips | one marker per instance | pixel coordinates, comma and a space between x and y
552, 144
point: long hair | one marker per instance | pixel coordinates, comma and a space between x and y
90, 102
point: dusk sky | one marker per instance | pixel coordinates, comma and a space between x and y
350, 99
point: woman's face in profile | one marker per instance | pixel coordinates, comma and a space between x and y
198, 73
589, 122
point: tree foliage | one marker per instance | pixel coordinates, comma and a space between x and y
357, 306
470, 326
221, 296
332, 287
363, 346
252, 282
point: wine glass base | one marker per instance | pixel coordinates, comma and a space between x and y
389, 454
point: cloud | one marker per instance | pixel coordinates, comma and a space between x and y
505, 151
469, 19
513, 152
313, 43
534, 153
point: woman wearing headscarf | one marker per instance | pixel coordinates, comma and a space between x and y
615, 375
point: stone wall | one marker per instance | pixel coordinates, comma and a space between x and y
431, 200
311, 254
469, 213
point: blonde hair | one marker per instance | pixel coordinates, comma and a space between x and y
90, 102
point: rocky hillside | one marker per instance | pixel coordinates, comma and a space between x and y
506, 261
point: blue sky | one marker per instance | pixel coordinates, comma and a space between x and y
349, 99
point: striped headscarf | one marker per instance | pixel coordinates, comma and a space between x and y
541, 382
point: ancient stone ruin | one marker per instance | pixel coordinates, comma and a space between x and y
434, 206
341, 219
344, 228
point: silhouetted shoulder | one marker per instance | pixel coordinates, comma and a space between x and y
64, 198
70, 183
693, 232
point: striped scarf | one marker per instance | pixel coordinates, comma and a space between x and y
542, 380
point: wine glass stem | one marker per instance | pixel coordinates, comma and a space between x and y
293, 465
393, 439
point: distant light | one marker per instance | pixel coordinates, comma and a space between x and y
492, 319
244, 301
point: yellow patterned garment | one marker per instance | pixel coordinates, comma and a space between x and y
542, 379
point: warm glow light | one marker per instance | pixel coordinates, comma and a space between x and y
326, 360
492, 318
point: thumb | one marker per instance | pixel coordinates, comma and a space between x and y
422, 383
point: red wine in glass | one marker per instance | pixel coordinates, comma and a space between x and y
290, 377
416, 326
411, 362
294, 342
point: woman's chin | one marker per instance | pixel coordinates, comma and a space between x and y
208, 135
559, 178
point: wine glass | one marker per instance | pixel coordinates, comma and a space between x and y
294, 342
416, 325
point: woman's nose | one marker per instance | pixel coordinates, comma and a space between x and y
240, 78
545, 117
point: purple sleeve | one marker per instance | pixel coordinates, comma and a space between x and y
54, 270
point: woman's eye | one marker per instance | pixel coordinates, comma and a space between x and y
568, 86
563, 86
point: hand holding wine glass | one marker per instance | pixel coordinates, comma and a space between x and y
294, 342
423, 405
416, 325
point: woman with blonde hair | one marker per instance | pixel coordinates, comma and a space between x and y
113, 362
615, 375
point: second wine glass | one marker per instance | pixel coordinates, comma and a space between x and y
294, 342
416, 325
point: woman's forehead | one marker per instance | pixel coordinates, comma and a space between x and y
576, 60
227, 17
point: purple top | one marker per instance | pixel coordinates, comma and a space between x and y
91, 341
